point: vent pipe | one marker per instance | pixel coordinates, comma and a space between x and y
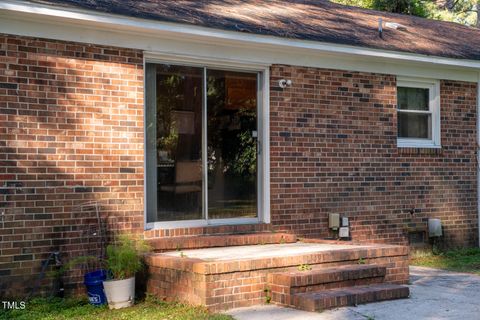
380, 28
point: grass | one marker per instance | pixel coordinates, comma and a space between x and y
460, 260
149, 309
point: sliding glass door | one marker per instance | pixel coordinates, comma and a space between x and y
231, 144
201, 144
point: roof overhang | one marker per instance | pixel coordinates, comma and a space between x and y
36, 20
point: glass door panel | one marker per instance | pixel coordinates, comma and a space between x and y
179, 107
231, 144
201, 143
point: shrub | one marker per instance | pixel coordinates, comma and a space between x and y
124, 257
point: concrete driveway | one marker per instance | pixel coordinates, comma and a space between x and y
434, 294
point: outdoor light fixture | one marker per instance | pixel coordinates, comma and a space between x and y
284, 83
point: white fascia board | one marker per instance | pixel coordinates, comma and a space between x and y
18, 17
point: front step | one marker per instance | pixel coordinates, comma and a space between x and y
231, 277
286, 284
326, 275
334, 298
226, 240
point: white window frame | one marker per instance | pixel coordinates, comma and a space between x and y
434, 109
263, 116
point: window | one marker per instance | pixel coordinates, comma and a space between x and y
203, 132
418, 113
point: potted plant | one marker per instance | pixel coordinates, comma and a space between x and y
123, 260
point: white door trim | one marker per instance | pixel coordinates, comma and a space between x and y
263, 115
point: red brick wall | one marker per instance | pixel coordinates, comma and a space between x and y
71, 132
333, 149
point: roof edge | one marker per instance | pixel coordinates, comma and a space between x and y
204, 34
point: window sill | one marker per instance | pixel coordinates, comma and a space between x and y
418, 143
419, 146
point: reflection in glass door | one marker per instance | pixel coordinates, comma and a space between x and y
232, 144
174, 142
201, 143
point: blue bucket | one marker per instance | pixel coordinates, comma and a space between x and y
94, 283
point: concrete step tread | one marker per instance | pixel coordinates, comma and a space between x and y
333, 298
326, 275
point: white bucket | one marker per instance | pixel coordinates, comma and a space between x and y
120, 293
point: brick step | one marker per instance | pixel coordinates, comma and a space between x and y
326, 275
210, 241
334, 298
284, 285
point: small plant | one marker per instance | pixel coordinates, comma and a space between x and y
81, 260
304, 267
182, 255
362, 261
124, 258
268, 296
436, 249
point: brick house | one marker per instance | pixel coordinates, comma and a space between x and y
230, 117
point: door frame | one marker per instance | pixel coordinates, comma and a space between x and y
263, 154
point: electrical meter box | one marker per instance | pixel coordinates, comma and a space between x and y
343, 232
334, 221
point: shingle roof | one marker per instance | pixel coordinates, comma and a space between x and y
316, 20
